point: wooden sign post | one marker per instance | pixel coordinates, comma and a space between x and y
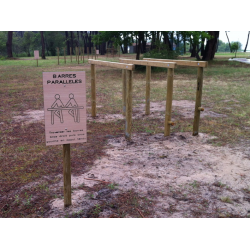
71, 54
36, 55
65, 116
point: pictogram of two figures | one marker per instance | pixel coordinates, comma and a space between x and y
72, 107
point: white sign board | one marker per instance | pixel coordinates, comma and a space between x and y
64, 107
36, 54
97, 51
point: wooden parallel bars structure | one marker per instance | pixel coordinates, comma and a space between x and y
127, 81
170, 79
200, 65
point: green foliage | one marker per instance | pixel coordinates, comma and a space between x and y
3, 40
234, 47
162, 53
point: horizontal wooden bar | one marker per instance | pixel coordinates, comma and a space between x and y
112, 64
202, 64
149, 63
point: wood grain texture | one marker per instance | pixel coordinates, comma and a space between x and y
124, 92
67, 175
202, 64
198, 101
168, 121
128, 122
93, 90
149, 63
112, 64
148, 79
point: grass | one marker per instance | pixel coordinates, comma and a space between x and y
25, 158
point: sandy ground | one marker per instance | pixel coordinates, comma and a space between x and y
181, 169
188, 176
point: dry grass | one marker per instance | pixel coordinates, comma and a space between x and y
25, 158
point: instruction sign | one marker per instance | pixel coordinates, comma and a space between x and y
36, 54
64, 107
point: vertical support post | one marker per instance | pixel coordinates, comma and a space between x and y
169, 101
64, 55
128, 122
148, 79
92, 53
58, 55
88, 52
124, 85
198, 101
37, 62
76, 52
71, 54
66, 175
93, 91
83, 54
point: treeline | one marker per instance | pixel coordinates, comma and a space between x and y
200, 44
225, 47
23, 43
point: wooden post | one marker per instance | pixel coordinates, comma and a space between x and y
95, 53
71, 54
168, 122
76, 53
58, 55
93, 90
67, 175
198, 101
148, 78
92, 53
37, 62
88, 52
64, 55
124, 85
128, 123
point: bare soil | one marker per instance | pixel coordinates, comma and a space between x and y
187, 177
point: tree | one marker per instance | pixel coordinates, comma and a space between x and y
228, 41
43, 45
234, 47
247, 41
211, 46
9, 44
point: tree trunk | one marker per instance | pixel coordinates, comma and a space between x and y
72, 41
229, 42
247, 42
67, 42
140, 38
193, 50
202, 46
9, 44
166, 40
43, 45
211, 45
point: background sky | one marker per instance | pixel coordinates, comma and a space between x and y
236, 36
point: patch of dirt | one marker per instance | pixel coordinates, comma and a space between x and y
30, 116
157, 110
185, 176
